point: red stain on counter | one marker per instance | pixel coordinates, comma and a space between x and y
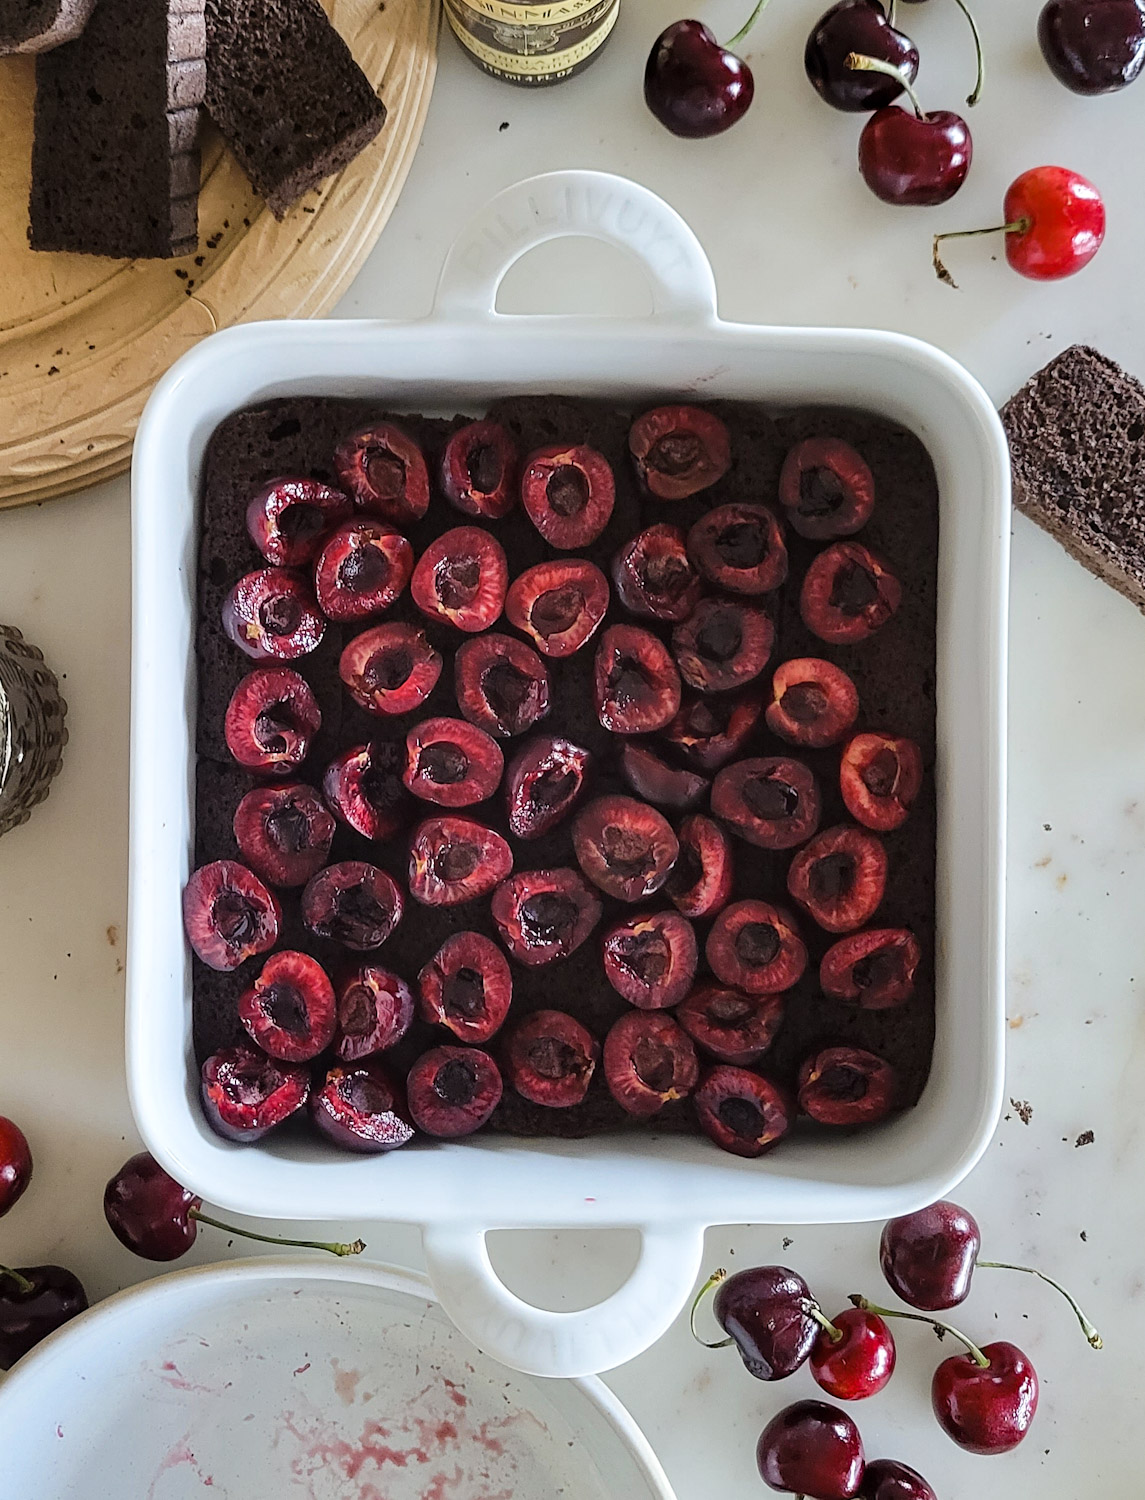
178, 1455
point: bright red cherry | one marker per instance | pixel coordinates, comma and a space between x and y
854, 1355
15, 1163
986, 1399
1054, 225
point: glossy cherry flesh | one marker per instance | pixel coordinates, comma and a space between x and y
361, 1108
650, 960
229, 915
853, 1357
270, 721
15, 1163
846, 1086
479, 470
813, 702
1093, 46
544, 783
287, 519
543, 915
290, 1009
456, 859
811, 1449
679, 450
453, 1090
568, 494
246, 1094
550, 1059
729, 1024
467, 986
756, 947
384, 471
742, 1112
35, 1301
826, 489
461, 579
694, 86
649, 1061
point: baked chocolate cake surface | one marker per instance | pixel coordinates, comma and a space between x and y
38, 25
894, 672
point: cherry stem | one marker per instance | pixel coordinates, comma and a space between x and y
859, 62
713, 1281
1093, 1338
760, 7
817, 1315
976, 93
355, 1248
1015, 226
25, 1286
886, 1312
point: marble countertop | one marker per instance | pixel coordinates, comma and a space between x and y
794, 237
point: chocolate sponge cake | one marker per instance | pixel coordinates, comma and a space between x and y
39, 25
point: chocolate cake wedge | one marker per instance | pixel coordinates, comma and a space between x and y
1077, 446
37, 25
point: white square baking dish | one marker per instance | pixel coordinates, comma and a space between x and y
463, 356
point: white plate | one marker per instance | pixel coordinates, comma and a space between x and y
276, 1379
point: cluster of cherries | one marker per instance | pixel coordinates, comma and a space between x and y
984, 1399
859, 61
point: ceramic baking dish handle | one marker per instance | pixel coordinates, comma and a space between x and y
563, 1344
598, 205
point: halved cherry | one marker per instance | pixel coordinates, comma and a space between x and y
360, 1107
363, 787
246, 1094
272, 616
840, 878
543, 915
501, 684
826, 488
560, 604
654, 576
545, 780
568, 493
813, 702
461, 578
454, 860
390, 669
756, 947
651, 777
711, 731
284, 833
739, 547
375, 1010
729, 1024
635, 681
880, 775
361, 570
702, 877
289, 1010
772, 802
287, 519
649, 1061
874, 968
452, 762
384, 470
679, 450
467, 987
742, 1112
270, 721
550, 1059
229, 915
848, 593
479, 470
650, 960
846, 1086
625, 847
352, 903
722, 645
452, 1091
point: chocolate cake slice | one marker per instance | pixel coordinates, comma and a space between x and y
37, 25
285, 91
1077, 444
115, 159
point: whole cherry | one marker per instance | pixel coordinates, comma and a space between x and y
854, 1354
813, 1450
35, 1301
914, 159
694, 86
1093, 46
887, 1479
15, 1163
766, 1313
857, 26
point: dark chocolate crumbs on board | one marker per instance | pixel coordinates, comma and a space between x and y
1023, 1109
1084, 1139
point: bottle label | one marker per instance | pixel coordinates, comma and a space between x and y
554, 40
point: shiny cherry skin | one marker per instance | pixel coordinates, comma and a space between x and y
1093, 46
764, 1310
694, 86
1065, 218
928, 1257
887, 1479
857, 26
15, 1163
916, 160
35, 1301
860, 1362
986, 1410
148, 1211
811, 1449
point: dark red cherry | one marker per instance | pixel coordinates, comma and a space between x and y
390, 669
461, 578
479, 470
914, 159
840, 878
384, 470
246, 1094
550, 1059
887, 1479
361, 570
352, 903
452, 1091
857, 26
148, 1211
855, 1358
651, 777
15, 1164
986, 1410
272, 616
289, 1011
756, 947
360, 1107
501, 684
880, 775
649, 1061
813, 1450
35, 1301
702, 877
929, 1257
743, 1113
1093, 46
723, 645
764, 1311
375, 1010
456, 859
826, 489
560, 604
731, 1026
679, 450
635, 681
694, 86
467, 987
271, 719
363, 786
625, 847
544, 784
739, 548
813, 702
452, 762
568, 494
287, 519
772, 802
711, 731
543, 915
846, 1086
229, 915
874, 969
284, 832
848, 593
650, 960
653, 576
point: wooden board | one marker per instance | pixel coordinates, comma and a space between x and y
83, 339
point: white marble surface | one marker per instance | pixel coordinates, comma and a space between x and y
794, 237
